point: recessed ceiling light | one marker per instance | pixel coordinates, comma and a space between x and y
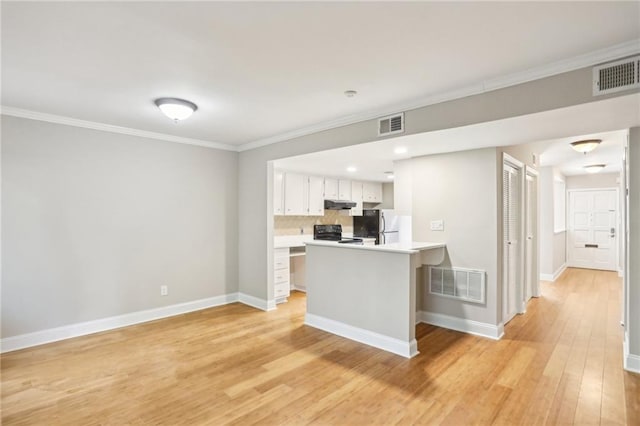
390, 176
586, 145
594, 168
176, 109
352, 169
350, 93
400, 150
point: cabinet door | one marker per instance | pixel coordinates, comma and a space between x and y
295, 203
372, 192
356, 196
316, 196
344, 189
278, 189
330, 189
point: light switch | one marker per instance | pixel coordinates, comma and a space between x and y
437, 225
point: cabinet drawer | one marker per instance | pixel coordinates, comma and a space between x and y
281, 276
281, 263
281, 290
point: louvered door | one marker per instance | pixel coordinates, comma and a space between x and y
511, 235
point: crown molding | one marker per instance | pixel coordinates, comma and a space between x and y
58, 119
618, 51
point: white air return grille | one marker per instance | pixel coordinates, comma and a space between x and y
616, 76
457, 283
391, 124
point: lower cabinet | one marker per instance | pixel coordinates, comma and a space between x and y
281, 274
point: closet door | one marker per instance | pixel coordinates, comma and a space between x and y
511, 235
531, 235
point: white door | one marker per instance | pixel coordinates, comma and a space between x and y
511, 241
531, 237
592, 229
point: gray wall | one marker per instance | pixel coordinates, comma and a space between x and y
459, 188
94, 222
633, 280
559, 91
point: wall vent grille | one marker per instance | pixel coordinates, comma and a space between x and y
616, 76
391, 124
457, 283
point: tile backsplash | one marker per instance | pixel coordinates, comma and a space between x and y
291, 225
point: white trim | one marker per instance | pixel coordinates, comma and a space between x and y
553, 277
89, 327
622, 50
464, 325
68, 121
377, 340
512, 161
254, 302
630, 361
531, 171
620, 273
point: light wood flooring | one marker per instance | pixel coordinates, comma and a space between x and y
561, 363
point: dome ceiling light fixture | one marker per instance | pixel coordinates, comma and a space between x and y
594, 168
176, 109
586, 145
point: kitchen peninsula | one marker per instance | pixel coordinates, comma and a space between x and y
367, 293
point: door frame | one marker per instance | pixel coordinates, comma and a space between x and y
508, 160
617, 222
535, 291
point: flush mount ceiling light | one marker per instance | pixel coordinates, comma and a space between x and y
176, 109
586, 145
400, 150
594, 168
351, 169
389, 175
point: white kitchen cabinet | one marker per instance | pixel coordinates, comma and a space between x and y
344, 189
281, 288
315, 198
278, 193
330, 189
295, 194
372, 192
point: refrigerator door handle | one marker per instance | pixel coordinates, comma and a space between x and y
384, 225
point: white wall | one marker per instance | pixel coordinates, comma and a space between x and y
460, 189
552, 253
633, 280
94, 222
596, 180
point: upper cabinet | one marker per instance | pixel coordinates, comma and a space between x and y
372, 192
316, 196
295, 194
303, 195
296, 187
278, 193
330, 189
344, 189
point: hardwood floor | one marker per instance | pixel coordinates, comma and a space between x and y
560, 363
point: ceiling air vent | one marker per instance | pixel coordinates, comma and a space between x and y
616, 76
391, 124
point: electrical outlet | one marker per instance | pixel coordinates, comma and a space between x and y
437, 225
164, 290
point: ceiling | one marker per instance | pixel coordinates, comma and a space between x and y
547, 133
258, 70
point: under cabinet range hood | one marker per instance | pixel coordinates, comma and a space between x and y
338, 204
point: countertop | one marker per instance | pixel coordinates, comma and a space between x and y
407, 248
285, 241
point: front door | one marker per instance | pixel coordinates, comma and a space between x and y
592, 229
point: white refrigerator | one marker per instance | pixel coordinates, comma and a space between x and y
394, 228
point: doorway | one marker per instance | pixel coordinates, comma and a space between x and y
593, 237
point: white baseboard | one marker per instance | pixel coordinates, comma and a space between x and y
302, 289
377, 340
555, 276
620, 273
631, 362
22, 341
477, 328
264, 305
